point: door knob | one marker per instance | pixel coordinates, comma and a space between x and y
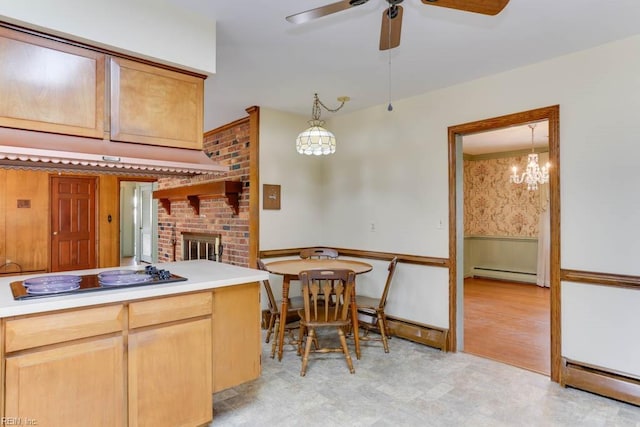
55, 233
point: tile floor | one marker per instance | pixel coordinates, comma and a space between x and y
413, 385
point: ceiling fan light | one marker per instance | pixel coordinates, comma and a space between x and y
316, 140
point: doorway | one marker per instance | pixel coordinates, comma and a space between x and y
506, 316
456, 228
138, 223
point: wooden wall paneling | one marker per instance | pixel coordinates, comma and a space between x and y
27, 219
108, 244
3, 196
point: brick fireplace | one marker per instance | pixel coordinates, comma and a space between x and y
228, 146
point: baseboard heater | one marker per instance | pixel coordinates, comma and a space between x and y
598, 380
418, 332
504, 274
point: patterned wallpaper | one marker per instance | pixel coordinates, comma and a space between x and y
495, 207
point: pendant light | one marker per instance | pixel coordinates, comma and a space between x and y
316, 139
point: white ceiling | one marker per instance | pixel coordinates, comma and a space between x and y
263, 60
511, 138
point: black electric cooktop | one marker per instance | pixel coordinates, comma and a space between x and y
92, 283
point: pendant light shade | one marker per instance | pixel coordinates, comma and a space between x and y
316, 140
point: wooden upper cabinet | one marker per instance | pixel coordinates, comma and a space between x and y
152, 105
50, 86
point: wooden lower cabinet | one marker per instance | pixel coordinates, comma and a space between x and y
71, 385
170, 375
236, 335
153, 362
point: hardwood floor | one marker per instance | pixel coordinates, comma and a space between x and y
508, 322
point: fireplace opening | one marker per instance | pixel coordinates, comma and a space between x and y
201, 246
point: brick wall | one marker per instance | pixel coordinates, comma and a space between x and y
228, 146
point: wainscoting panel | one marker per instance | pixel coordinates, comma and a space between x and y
499, 257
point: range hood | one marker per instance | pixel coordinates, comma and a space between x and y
39, 150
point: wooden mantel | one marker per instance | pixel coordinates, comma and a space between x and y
194, 193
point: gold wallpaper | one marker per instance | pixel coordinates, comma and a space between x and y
495, 207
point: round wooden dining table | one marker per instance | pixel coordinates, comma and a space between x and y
291, 268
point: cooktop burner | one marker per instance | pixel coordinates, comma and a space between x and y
51, 286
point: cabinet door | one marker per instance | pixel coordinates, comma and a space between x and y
72, 385
155, 106
170, 375
50, 86
236, 335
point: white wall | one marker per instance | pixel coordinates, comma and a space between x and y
137, 27
589, 316
391, 169
299, 220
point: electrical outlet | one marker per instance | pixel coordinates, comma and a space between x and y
372, 226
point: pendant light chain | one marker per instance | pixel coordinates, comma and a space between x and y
342, 99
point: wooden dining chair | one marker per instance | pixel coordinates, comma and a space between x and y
319, 253
327, 298
373, 308
291, 320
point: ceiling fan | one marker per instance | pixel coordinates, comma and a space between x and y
392, 16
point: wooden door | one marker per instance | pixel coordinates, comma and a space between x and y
73, 223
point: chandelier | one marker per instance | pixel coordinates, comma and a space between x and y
533, 174
316, 139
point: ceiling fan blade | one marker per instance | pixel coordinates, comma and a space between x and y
390, 29
485, 7
325, 10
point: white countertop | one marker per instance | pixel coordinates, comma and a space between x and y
200, 274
